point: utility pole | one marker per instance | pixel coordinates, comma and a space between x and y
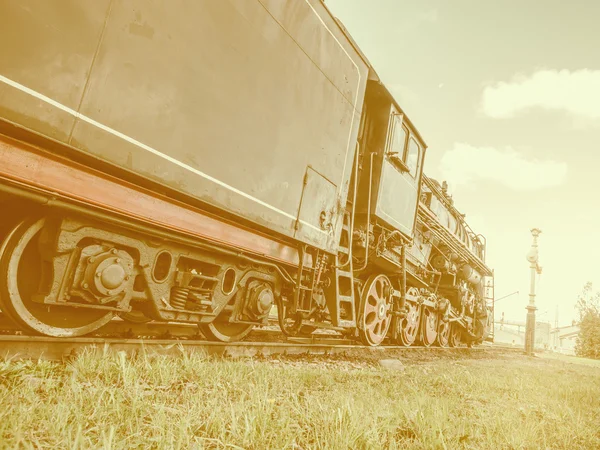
532, 257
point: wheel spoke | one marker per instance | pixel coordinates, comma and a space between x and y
375, 315
455, 335
430, 325
444, 333
379, 289
371, 304
408, 327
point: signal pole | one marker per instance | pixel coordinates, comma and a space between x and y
532, 257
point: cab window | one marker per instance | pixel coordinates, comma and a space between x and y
399, 138
412, 157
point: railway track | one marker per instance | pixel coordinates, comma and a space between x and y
178, 339
44, 348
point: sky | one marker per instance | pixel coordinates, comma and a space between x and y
507, 97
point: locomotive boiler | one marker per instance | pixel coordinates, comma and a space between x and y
210, 162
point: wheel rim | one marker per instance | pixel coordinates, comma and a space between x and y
135, 316
429, 326
376, 317
444, 333
223, 331
409, 326
455, 333
307, 330
21, 272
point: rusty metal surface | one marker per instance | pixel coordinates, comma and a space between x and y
24, 164
226, 101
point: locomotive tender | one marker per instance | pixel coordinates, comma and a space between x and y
203, 162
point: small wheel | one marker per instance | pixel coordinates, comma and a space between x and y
135, 316
222, 330
376, 316
22, 275
307, 330
429, 326
443, 335
455, 335
408, 327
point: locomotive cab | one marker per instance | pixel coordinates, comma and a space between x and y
391, 165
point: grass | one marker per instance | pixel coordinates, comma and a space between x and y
117, 401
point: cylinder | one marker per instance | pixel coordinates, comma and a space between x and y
470, 275
440, 263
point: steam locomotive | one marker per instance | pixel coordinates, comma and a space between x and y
212, 162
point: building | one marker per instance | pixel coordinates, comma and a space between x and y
563, 339
513, 332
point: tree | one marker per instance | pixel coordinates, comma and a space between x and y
588, 306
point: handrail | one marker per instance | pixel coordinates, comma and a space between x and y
451, 208
351, 230
450, 239
368, 216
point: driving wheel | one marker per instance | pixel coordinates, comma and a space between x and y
375, 318
443, 336
455, 335
429, 326
408, 327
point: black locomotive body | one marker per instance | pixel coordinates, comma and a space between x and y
214, 163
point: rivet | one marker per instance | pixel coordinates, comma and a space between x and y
85, 285
91, 259
114, 251
118, 260
98, 274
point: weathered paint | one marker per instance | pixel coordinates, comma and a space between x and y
26, 165
229, 102
399, 190
397, 199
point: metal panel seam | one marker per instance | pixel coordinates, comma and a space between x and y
89, 75
355, 97
354, 111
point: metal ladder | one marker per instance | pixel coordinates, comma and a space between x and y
341, 299
304, 284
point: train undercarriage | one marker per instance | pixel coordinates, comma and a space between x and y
67, 275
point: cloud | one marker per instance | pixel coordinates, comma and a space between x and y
577, 93
465, 164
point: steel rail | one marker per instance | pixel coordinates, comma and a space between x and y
60, 349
